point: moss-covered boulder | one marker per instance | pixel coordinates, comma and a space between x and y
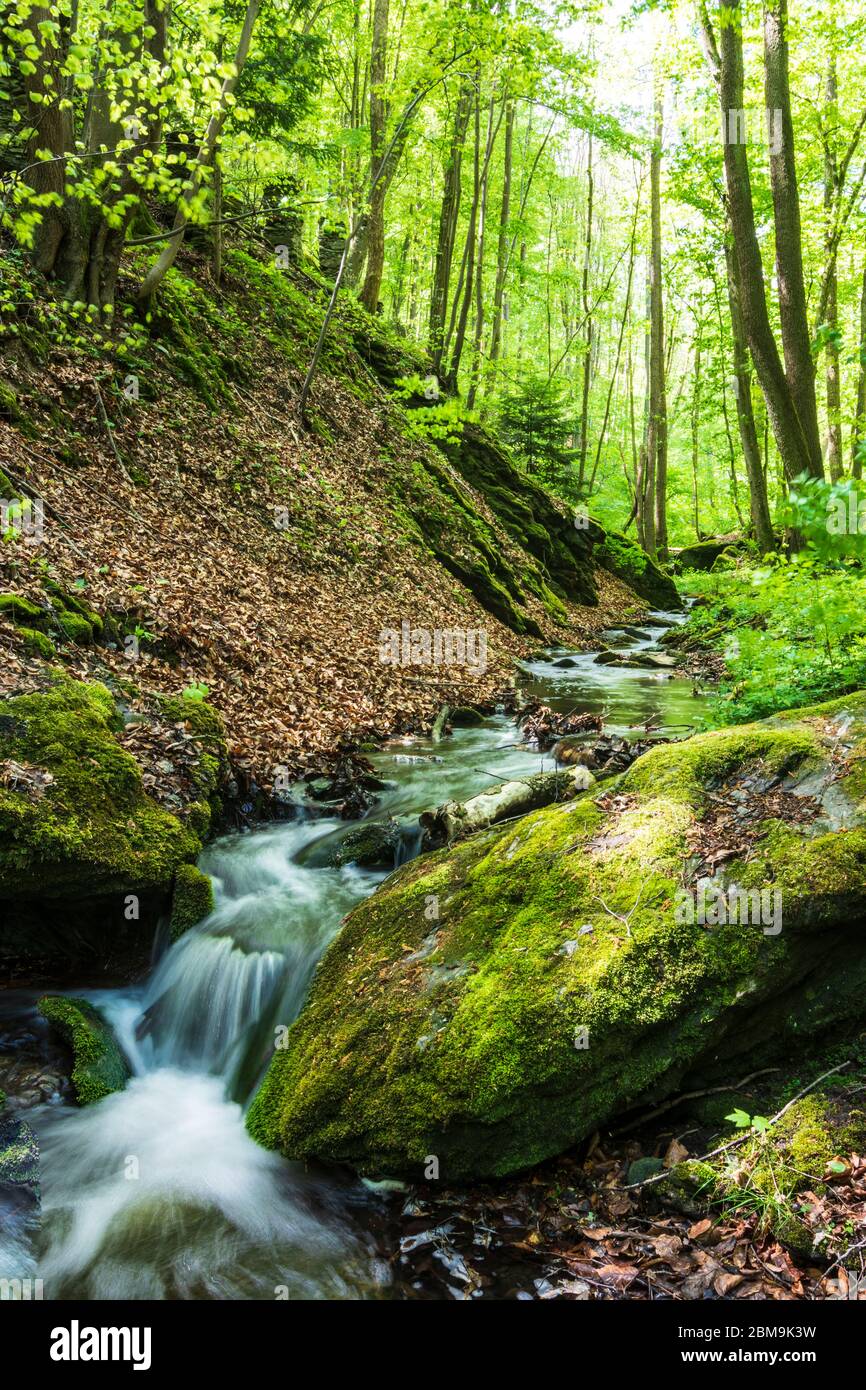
192, 900
494, 1003
82, 846
625, 559
98, 1066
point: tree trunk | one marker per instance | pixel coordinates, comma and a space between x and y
448, 215
796, 341
790, 438
378, 186
657, 432
858, 440
831, 318
759, 506
502, 242
587, 352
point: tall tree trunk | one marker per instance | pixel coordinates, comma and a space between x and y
796, 340
695, 422
726, 64
831, 179
479, 269
502, 241
858, 434
448, 215
378, 186
587, 351
759, 506
657, 433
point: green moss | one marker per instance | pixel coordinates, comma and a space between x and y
90, 828
193, 899
76, 628
21, 610
686, 770
99, 1066
37, 643
630, 563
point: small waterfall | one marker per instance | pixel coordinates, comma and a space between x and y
158, 1192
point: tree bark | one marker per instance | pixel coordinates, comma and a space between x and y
790, 438
448, 215
502, 242
858, 439
378, 187
796, 340
759, 506
657, 431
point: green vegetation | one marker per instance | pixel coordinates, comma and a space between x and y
99, 1066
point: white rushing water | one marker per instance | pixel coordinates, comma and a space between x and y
158, 1191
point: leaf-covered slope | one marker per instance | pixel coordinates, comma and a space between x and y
215, 541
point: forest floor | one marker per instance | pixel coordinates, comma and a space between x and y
589, 1226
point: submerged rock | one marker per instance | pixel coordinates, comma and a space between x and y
446, 1019
99, 1066
371, 845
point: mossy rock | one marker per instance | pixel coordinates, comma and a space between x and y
625, 559
501, 1034
21, 610
370, 845
99, 1067
704, 554
77, 829
19, 1155
192, 901
37, 643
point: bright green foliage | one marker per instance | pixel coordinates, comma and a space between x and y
791, 632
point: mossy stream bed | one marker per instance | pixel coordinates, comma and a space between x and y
157, 1190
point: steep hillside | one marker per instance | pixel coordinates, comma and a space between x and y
196, 535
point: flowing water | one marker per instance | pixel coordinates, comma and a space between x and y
157, 1191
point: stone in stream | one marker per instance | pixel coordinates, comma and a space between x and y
370, 845
528, 1049
99, 1067
192, 900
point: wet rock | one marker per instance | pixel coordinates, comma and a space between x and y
371, 845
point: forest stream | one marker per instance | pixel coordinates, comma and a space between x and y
159, 1192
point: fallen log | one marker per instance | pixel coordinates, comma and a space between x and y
456, 819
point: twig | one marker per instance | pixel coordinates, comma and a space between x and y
107, 423
691, 1095
626, 920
